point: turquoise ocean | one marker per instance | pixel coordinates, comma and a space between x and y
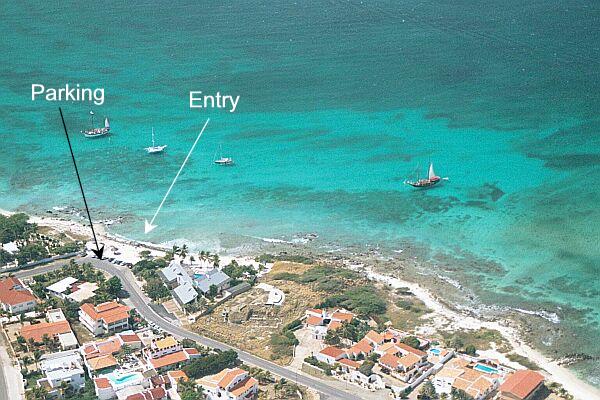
341, 101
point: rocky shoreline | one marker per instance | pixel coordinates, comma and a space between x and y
453, 305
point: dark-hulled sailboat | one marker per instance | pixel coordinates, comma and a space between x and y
431, 180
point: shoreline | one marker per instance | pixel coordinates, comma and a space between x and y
455, 319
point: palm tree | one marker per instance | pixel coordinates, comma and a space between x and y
183, 251
216, 260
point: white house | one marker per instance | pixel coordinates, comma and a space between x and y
229, 384
15, 297
330, 355
103, 318
65, 366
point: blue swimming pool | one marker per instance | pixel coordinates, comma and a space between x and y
485, 368
435, 351
123, 379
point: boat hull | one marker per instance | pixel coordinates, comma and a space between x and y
96, 133
424, 183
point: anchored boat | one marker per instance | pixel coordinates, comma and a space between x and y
154, 149
431, 180
223, 160
96, 132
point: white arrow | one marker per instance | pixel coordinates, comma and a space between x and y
148, 226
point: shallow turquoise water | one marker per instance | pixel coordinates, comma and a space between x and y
339, 104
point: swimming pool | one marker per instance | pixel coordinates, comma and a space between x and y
124, 379
435, 351
485, 368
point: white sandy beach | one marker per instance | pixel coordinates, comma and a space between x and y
441, 315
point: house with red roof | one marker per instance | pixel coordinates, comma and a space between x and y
229, 384
321, 321
349, 365
522, 385
362, 348
173, 360
15, 297
156, 393
99, 356
374, 338
104, 318
331, 355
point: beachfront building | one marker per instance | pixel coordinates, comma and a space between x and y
179, 280
212, 278
184, 294
15, 297
56, 368
229, 384
460, 373
175, 274
522, 385
56, 328
72, 289
104, 318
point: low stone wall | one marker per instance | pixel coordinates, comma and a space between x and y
41, 262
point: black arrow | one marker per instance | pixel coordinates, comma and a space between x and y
99, 250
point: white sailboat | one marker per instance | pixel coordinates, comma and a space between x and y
96, 132
223, 160
154, 149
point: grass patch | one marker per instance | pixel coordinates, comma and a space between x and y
524, 361
480, 338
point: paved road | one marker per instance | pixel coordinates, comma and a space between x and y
3, 385
140, 301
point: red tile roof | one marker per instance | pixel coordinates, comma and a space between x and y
169, 359
363, 346
177, 375
314, 321
109, 312
389, 360
409, 349
333, 325
130, 338
109, 346
152, 394
102, 383
522, 383
349, 363
13, 292
52, 329
332, 351
230, 377
244, 386
374, 337
342, 316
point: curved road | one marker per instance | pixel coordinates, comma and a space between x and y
140, 301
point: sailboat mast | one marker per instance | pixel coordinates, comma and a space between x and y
152, 136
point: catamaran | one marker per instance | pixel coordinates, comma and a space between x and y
223, 160
432, 179
154, 149
96, 132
